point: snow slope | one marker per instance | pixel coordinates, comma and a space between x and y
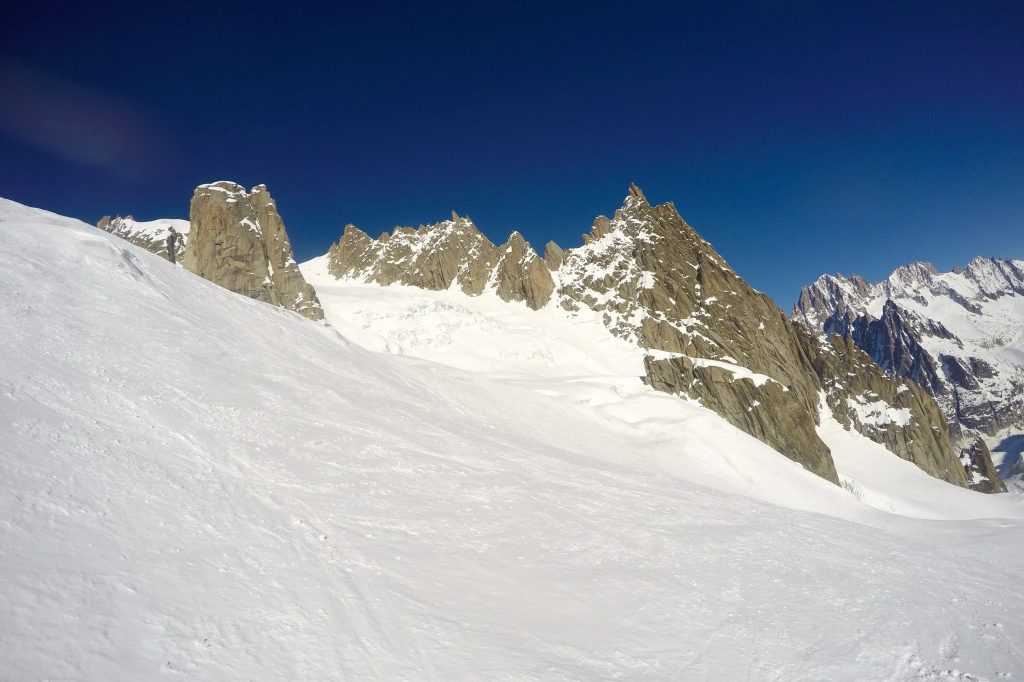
198, 485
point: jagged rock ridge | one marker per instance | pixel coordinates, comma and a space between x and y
712, 337
150, 235
238, 241
958, 334
445, 254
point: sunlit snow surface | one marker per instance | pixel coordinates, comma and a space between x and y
200, 486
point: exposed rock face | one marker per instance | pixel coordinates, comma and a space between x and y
658, 284
712, 337
894, 342
1012, 471
897, 413
150, 235
762, 407
520, 274
238, 241
978, 465
553, 255
445, 254
957, 334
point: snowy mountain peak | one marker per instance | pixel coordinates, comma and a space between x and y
996, 277
912, 276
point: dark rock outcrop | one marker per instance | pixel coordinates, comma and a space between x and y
893, 343
977, 462
897, 413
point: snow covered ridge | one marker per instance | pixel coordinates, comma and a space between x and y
959, 334
655, 283
984, 279
277, 501
150, 235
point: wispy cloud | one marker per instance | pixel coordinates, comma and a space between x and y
80, 125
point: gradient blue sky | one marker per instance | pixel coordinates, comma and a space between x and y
797, 137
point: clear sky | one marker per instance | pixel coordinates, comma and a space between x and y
797, 137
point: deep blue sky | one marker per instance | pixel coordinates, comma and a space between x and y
797, 137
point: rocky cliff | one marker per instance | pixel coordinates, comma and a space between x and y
239, 241
977, 461
150, 235
657, 283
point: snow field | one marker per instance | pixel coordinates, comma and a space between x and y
198, 485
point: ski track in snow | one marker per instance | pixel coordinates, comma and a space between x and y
195, 485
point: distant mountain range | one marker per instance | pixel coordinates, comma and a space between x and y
959, 335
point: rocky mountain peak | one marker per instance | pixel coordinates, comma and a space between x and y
445, 254
635, 196
521, 275
913, 273
995, 277
838, 294
239, 241
553, 255
977, 461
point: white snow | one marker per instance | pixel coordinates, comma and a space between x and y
157, 229
198, 484
874, 411
153, 231
737, 371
